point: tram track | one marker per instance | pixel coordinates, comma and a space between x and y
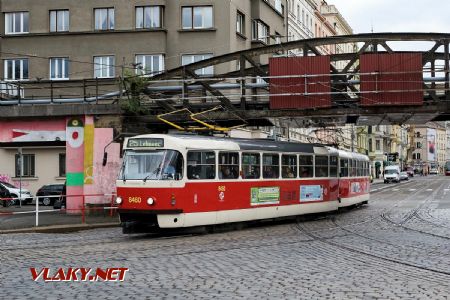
330, 240
414, 213
379, 258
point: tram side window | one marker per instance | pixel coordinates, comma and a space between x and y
289, 166
353, 168
344, 167
271, 166
306, 166
333, 166
321, 166
228, 165
361, 168
201, 165
251, 165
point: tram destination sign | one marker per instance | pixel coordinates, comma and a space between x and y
145, 143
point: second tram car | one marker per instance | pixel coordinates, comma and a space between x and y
171, 181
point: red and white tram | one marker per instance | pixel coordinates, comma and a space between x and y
172, 181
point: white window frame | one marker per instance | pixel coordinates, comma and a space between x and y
14, 61
240, 23
110, 18
204, 10
64, 61
11, 29
187, 59
145, 64
260, 31
55, 16
140, 13
104, 65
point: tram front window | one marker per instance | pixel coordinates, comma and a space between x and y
152, 165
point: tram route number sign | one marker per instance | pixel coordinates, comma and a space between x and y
145, 143
265, 195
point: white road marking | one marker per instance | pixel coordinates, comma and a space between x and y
412, 190
395, 190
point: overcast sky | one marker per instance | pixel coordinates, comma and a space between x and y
395, 15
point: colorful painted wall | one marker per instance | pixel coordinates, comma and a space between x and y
84, 147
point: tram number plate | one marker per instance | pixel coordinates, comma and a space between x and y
134, 200
222, 188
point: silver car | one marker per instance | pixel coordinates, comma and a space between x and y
404, 176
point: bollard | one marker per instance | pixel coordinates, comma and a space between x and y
37, 211
83, 217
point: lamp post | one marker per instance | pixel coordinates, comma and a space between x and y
20, 165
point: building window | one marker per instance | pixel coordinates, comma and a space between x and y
16, 69
104, 18
377, 145
418, 156
17, 22
62, 165
59, 20
149, 17
104, 67
197, 17
27, 165
260, 31
240, 23
189, 59
59, 68
149, 65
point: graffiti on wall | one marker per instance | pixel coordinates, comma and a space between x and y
8, 178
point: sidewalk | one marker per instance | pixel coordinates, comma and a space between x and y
23, 219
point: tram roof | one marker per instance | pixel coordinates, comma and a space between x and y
211, 142
191, 141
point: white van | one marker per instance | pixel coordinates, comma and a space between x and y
14, 192
392, 173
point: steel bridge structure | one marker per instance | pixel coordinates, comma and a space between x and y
241, 87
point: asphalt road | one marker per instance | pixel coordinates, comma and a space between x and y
397, 247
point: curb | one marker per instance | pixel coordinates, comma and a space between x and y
60, 228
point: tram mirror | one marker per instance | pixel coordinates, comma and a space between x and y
105, 158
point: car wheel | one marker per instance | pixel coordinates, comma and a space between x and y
46, 201
11, 202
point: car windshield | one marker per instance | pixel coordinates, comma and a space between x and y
152, 165
391, 172
8, 185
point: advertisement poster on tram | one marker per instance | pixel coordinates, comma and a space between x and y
310, 193
265, 195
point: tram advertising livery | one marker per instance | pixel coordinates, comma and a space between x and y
172, 181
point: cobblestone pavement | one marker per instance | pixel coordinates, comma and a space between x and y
397, 247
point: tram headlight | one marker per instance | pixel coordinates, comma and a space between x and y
150, 201
118, 200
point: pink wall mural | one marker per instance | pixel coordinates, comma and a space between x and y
85, 174
104, 177
48, 126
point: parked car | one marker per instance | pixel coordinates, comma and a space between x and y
49, 193
61, 201
410, 171
4, 193
434, 171
404, 176
14, 192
